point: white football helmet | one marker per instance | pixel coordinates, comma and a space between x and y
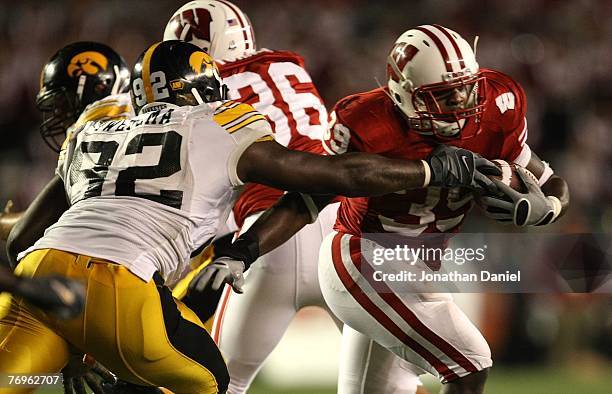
217, 26
426, 66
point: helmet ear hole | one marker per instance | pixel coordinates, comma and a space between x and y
100, 88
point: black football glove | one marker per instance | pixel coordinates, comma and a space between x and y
63, 297
84, 371
453, 167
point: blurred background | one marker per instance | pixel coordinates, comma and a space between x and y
559, 51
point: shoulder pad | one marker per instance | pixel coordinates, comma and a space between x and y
233, 115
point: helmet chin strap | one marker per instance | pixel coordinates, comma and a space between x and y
81, 86
116, 86
197, 96
448, 129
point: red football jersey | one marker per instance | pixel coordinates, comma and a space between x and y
277, 85
370, 122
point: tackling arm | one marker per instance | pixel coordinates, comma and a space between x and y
45, 210
360, 174
351, 174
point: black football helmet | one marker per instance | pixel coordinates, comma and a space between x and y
77, 75
175, 72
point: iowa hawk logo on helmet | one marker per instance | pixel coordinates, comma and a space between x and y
89, 62
175, 72
74, 77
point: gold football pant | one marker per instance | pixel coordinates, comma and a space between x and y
135, 329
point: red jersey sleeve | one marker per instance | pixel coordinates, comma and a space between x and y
361, 123
339, 138
511, 104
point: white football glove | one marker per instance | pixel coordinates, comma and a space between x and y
522, 209
222, 270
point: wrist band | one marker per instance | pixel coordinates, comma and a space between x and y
311, 206
427, 173
556, 203
245, 249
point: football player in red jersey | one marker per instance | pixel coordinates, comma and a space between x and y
277, 84
436, 94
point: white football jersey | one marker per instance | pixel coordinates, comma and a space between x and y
146, 191
115, 106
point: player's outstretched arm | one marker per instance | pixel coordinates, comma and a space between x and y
360, 174
349, 174
45, 210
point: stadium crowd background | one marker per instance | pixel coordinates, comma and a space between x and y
559, 51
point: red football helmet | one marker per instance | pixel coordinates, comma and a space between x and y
434, 79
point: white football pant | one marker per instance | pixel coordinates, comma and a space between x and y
425, 329
248, 326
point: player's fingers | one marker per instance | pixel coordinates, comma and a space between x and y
500, 216
68, 386
484, 182
497, 203
8, 207
204, 278
79, 385
238, 284
487, 167
527, 180
104, 373
507, 190
94, 384
221, 278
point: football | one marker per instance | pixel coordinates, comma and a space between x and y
509, 176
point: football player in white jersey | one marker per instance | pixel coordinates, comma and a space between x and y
277, 84
142, 193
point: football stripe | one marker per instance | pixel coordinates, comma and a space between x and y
229, 120
104, 112
439, 44
218, 322
458, 52
245, 123
225, 106
369, 306
146, 72
242, 23
403, 311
